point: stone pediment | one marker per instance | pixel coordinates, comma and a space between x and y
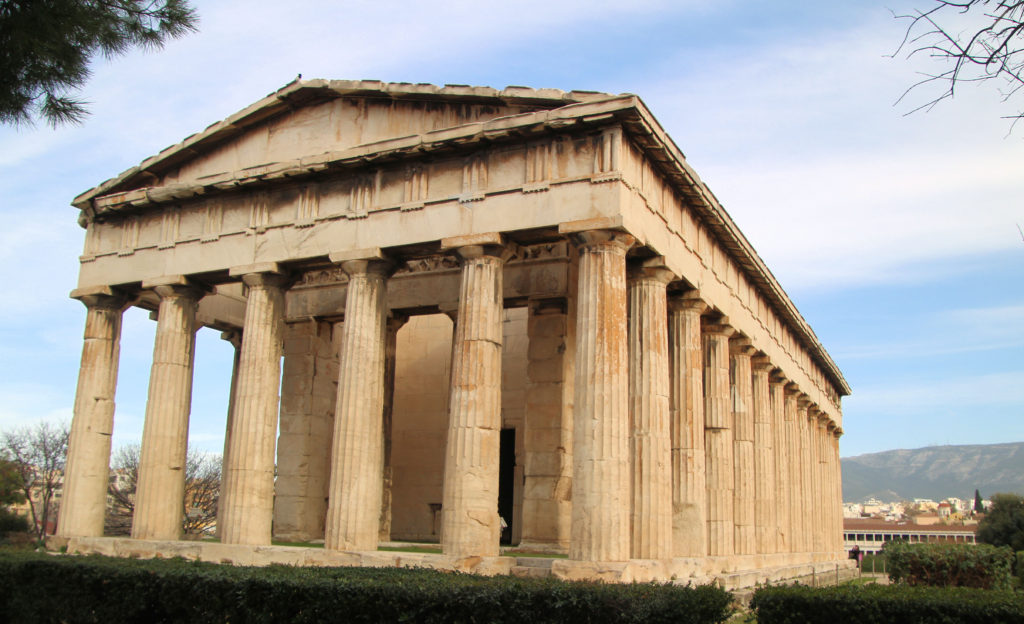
312, 117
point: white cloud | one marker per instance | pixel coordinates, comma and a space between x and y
833, 186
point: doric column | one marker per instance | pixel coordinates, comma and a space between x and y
547, 427
806, 499
235, 338
394, 323
650, 441
309, 384
744, 490
777, 397
824, 487
87, 472
600, 507
793, 473
817, 505
357, 453
160, 494
765, 520
686, 383
718, 441
249, 504
837, 495
470, 525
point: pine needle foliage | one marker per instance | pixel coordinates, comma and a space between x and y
48, 46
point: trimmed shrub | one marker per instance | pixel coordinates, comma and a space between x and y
883, 604
45, 588
950, 565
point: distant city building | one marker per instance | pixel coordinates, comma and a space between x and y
871, 534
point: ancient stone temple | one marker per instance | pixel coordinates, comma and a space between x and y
460, 315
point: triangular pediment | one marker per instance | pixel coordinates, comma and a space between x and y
312, 117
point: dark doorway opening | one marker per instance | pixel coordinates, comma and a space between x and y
506, 482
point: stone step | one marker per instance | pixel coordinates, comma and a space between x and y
534, 562
530, 572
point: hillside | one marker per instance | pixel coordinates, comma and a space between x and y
935, 472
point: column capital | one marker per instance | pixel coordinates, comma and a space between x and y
687, 301
490, 244
395, 322
741, 345
793, 388
363, 261
803, 401
266, 274
102, 297
233, 336
721, 328
650, 269
838, 432
762, 363
612, 240
175, 286
778, 377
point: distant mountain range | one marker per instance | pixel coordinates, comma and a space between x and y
935, 472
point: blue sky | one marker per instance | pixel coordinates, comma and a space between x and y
895, 235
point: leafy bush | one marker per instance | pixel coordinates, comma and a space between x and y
883, 604
46, 588
950, 565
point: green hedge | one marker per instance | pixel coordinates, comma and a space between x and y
883, 604
51, 588
955, 565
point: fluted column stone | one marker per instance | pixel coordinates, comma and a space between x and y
394, 323
547, 427
793, 467
824, 499
160, 493
686, 382
718, 440
783, 515
600, 510
235, 338
650, 440
765, 517
837, 500
249, 501
470, 524
87, 471
744, 488
805, 500
357, 456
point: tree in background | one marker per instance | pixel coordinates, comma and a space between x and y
1003, 524
48, 45
979, 507
973, 41
202, 491
10, 494
38, 455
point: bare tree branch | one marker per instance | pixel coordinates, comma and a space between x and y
975, 41
202, 491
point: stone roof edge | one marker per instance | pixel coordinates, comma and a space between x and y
720, 220
638, 119
304, 92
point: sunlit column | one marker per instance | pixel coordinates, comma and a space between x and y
600, 509
160, 493
650, 442
87, 471
249, 501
